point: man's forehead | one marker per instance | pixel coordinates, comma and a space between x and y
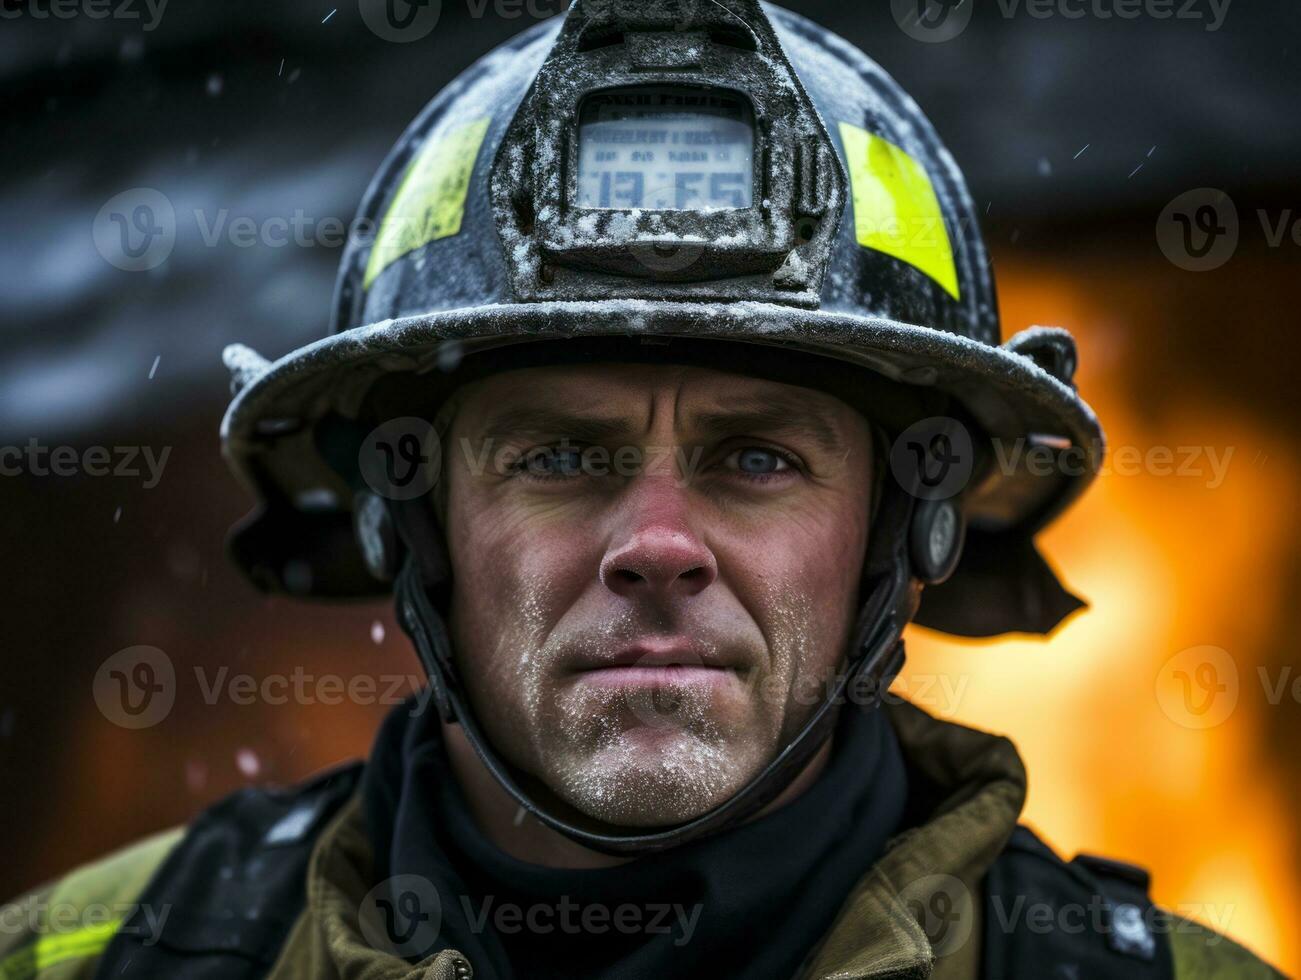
617, 398
617, 389
605, 403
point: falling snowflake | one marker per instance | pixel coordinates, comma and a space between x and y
247, 761
196, 776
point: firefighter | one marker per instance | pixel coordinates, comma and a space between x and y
662, 393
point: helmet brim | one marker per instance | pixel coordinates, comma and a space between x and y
1011, 397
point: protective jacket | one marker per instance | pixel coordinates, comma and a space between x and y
268, 884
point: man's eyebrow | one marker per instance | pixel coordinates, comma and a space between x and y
514, 423
779, 413
775, 414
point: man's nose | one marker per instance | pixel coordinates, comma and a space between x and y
655, 554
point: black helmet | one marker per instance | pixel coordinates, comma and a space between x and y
713, 180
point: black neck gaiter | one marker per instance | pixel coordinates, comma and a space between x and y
752, 901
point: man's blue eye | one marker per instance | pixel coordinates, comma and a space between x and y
556, 462
759, 462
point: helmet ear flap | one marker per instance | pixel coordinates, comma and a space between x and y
377, 536
933, 529
388, 530
936, 535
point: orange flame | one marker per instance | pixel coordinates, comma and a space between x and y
1130, 753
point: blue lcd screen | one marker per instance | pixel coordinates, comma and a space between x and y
666, 149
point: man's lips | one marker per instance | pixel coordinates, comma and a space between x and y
655, 653
671, 675
659, 663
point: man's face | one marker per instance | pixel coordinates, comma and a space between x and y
655, 575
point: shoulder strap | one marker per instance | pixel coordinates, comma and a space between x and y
227, 896
1091, 917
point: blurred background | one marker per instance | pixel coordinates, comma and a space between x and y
1160, 726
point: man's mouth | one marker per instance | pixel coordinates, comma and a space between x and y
667, 676
657, 664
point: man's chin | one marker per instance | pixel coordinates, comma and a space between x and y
649, 776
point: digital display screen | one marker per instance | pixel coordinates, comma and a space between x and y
666, 149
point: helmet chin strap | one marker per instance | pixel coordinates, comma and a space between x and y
874, 658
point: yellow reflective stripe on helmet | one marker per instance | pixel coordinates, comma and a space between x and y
49, 950
895, 207
430, 202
